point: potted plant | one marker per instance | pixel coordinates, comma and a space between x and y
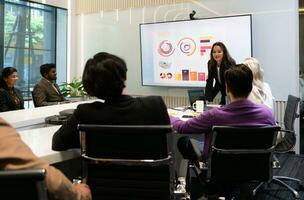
73, 90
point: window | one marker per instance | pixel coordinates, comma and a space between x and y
30, 35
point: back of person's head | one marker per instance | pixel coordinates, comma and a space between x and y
257, 72
45, 68
104, 76
5, 73
255, 67
227, 59
239, 80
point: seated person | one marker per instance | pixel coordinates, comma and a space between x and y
240, 112
10, 97
46, 92
104, 77
16, 155
261, 92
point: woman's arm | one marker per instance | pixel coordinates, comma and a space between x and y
209, 84
19, 94
67, 136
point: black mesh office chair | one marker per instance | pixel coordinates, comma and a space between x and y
23, 184
288, 133
127, 162
238, 154
34, 100
240, 151
288, 141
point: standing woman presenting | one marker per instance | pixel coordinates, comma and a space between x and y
10, 97
219, 62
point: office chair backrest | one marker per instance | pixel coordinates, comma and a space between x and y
289, 136
126, 142
290, 114
241, 153
34, 100
127, 162
197, 94
23, 184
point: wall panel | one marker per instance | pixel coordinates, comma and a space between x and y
93, 6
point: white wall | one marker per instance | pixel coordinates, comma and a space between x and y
275, 38
274, 27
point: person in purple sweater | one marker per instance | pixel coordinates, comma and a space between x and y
240, 112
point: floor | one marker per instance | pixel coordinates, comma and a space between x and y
291, 165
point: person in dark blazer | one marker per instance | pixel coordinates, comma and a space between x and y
10, 97
219, 62
46, 92
104, 77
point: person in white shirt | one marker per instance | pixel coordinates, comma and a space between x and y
261, 92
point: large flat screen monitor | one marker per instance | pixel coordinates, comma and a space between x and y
176, 53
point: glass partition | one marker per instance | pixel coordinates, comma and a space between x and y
30, 32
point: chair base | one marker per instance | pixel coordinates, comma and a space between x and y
255, 190
279, 180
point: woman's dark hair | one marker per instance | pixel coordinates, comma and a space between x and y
227, 59
239, 80
104, 76
5, 73
45, 68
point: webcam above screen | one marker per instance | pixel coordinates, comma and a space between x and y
176, 53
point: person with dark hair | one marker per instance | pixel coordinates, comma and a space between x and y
240, 112
16, 155
104, 77
10, 97
46, 92
220, 61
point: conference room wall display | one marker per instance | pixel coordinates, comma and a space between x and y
176, 53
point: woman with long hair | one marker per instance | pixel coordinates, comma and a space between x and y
220, 61
261, 92
10, 97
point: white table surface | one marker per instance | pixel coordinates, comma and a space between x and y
30, 124
40, 142
28, 118
181, 112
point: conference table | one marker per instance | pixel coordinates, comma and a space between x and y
40, 142
30, 124
185, 113
35, 117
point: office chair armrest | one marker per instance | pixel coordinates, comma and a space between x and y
286, 141
281, 135
287, 131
